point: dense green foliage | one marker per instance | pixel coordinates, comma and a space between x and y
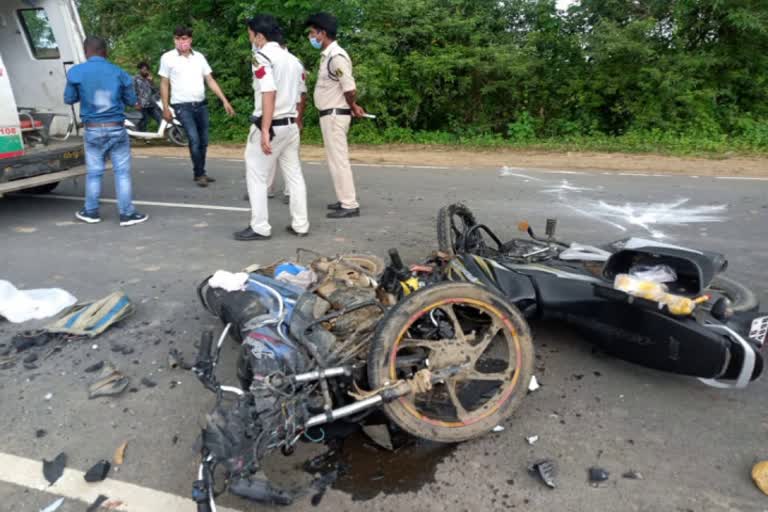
679, 75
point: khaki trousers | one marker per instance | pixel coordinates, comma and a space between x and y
335, 129
258, 166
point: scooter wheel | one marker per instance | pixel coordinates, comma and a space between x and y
476, 348
178, 136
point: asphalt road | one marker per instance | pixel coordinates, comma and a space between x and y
694, 445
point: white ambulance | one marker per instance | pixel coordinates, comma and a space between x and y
40, 143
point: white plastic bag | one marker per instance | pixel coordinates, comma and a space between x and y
228, 281
654, 273
21, 305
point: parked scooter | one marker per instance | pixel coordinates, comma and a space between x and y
173, 131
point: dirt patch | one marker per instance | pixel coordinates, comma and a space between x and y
463, 158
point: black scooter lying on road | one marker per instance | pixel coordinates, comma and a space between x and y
658, 305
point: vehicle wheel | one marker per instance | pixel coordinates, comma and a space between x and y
479, 341
452, 222
742, 298
42, 189
178, 136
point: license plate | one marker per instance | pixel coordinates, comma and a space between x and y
759, 330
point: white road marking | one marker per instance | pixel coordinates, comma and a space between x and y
565, 172
29, 473
150, 203
747, 178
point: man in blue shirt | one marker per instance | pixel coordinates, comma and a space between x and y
103, 91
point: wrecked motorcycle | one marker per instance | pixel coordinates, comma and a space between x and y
338, 339
659, 305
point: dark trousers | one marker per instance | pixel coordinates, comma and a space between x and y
194, 119
147, 113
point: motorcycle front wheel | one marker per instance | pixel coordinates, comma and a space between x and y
177, 135
476, 346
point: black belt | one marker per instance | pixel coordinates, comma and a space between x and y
337, 111
189, 104
285, 121
103, 125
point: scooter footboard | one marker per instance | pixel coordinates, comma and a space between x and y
655, 340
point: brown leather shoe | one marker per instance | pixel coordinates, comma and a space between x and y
202, 181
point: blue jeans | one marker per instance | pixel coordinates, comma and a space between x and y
194, 119
101, 142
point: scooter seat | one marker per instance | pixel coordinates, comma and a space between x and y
133, 116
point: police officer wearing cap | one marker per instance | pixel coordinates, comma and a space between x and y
274, 136
335, 99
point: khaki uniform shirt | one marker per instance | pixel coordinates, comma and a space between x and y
275, 69
334, 78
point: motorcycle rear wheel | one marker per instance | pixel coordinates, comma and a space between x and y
493, 345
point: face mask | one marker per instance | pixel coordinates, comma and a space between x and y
183, 46
315, 43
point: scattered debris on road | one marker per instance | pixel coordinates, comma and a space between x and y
94, 367
92, 319
760, 476
53, 469
19, 306
546, 471
633, 475
146, 381
532, 440
109, 383
534, 385
119, 456
40, 433
98, 471
96, 505
53, 507
498, 428
597, 475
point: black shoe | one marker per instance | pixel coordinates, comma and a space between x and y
296, 233
202, 181
343, 213
132, 219
88, 217
248, 235
334, 206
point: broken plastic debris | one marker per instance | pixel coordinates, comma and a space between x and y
98, 472
109, 383
93, 507
53, 507
40, 433
534, 385
48, 396
148, 382
633, 475
760, 476
94, 367
53, 469
546, 470
119, 456
95, 347
379, 434
532, 439
597, 475
498, 428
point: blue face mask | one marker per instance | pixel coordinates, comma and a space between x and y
315, 43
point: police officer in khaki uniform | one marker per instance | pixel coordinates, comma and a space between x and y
335, 99
274, 136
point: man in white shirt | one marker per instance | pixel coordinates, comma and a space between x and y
274, 136
184, 73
